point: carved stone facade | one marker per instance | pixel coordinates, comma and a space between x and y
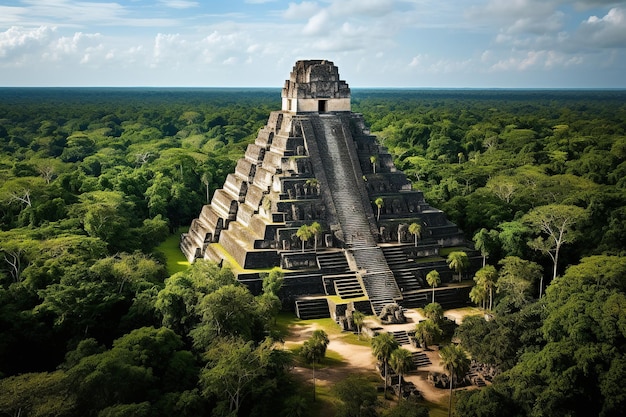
312, 163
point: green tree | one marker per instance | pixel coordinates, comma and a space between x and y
295, 406
557, 223
230, 310
380, 203
382, 346
433, 279
458, 261
407, 409
304, 233
358, 318
486, 278
374, 162
314, 350
316, 229
516, 278
485, 242
235, 369
358, 396
434, 311
416, 230
273, 281
427, 332
37, 394
456, 363
401, 362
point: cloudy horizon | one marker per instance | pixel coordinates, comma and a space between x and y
254, 43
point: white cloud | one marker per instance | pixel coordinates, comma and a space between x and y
604, 32
536, 60
17, 43
300, 11
318, 24
179, 4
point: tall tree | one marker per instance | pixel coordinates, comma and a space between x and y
485, 241
234, 367
374, 162
382, 346
358, 318
304, 233
401, 362
433, 279
427, 332
486, 278
358, 396
515, 279
458, 261
416, 230
380, 203
557, 225
456, 363
316, 229
313, 351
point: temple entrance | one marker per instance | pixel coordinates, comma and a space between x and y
322, 106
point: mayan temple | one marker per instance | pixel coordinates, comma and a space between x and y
316, 162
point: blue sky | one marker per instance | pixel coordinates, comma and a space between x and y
375, 43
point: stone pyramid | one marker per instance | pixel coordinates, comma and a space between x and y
316, 162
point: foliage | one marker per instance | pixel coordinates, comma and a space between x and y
91, 180
576, 370
383, 344
433, 279
358, 396
458, 261
428, 332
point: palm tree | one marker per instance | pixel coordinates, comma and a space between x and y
304, 233
433, 279
316, 229
416, 230
486, 278
401, 362
478, 295
458, 261
427, 332
314, 349
358, 318
379, 203
206, 179
484, 241
434, 311
295, 406
374, 161
456, 363
382, 345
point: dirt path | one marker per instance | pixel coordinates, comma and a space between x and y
360, 359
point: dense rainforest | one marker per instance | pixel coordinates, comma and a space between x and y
92, 180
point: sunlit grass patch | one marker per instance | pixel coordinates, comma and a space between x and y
175, 260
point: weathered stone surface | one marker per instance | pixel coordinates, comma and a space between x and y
312, 163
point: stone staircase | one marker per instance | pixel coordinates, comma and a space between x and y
312, 308
401, 337
403, 269
333, 262
348, 287
350, 200
420, 359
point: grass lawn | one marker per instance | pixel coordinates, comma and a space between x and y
176, 261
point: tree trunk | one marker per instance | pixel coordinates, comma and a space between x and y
450, 398
313, 381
